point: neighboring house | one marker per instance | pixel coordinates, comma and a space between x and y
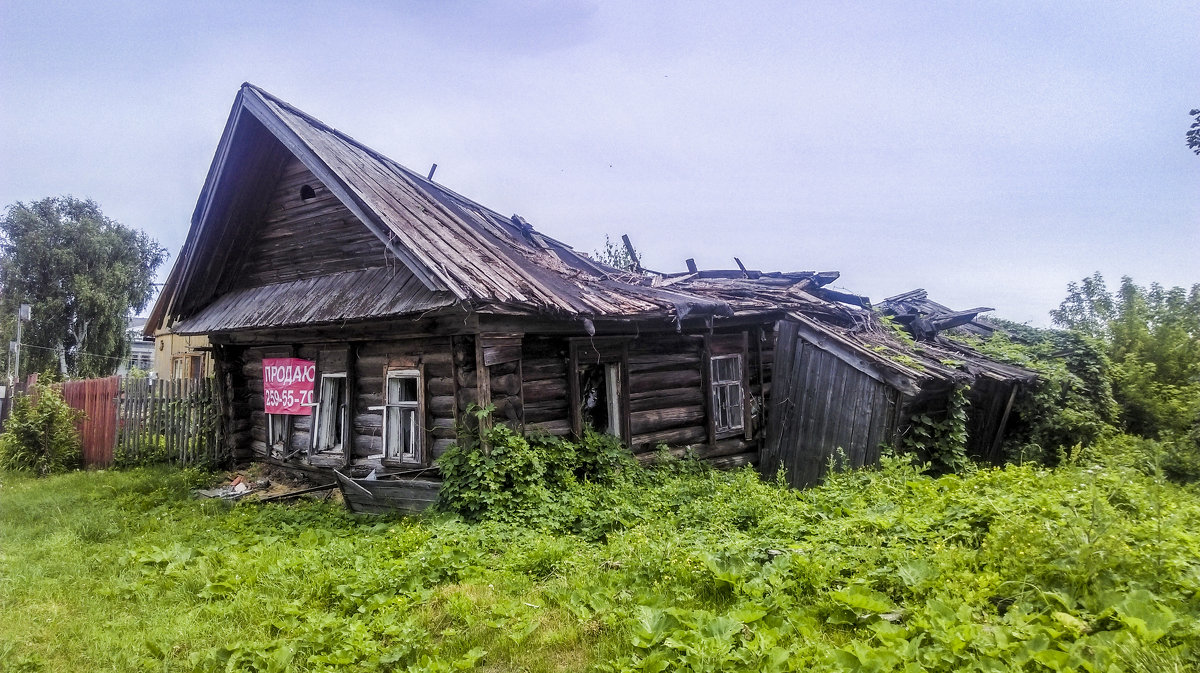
141, 350
415, 303
181, 357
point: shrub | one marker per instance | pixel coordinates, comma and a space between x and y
41, 434
511, 477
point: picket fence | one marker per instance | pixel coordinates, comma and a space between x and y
138, 420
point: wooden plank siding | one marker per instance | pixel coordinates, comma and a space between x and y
285, 247
823, 410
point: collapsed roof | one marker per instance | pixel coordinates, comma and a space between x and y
448, 251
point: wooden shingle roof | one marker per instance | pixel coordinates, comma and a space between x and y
457, 250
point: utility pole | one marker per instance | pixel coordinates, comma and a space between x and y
23, 316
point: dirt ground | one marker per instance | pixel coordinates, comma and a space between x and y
270, 480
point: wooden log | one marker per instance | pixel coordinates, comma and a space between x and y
439, 385
442, 406
659, 362
663, 399
692, 434
535, 370
663, 380
735, 461
558, 428
545, 390
506, 384
541, 412
439, 447
644, 422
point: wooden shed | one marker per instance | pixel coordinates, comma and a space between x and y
356, 309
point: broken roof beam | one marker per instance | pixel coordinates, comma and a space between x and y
843, 297
945, 321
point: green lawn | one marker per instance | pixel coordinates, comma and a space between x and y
1086, 567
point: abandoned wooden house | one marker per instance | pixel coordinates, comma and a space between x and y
356, 309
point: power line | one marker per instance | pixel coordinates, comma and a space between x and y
95, 355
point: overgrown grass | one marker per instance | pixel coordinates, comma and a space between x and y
1086, 567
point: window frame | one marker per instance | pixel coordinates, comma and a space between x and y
277, 438
420, 452
320, 410
717, 386
613, 353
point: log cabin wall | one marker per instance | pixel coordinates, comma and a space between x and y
667, 394
544, 387
667, 398
366, 366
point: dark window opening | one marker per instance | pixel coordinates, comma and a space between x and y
307, 192
599, 397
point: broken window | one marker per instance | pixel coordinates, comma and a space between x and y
727, 397
402, 437
277, 430
329, 418
600, 397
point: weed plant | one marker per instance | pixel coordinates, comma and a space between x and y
1091, 566
40, 435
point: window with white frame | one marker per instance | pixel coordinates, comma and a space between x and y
277, 426
402, 436
727, 397
329, 417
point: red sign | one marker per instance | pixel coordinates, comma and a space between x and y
288, 385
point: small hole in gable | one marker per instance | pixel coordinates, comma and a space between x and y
307, 192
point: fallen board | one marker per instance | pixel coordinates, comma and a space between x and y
381, 496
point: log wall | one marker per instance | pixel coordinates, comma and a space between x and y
304, 238
526, 379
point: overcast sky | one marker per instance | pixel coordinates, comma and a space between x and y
989, 152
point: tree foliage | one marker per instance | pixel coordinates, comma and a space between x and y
1072, 401
1193, 134
616, 256
84, 273
1152, 336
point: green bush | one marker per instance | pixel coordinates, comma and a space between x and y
41, 435
510, 477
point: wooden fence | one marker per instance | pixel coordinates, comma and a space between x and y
97, 399
168, 421
138, 421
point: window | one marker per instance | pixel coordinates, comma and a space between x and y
600, 397
277, 426
599, 394
187, 366
402, 436
728, 406
329, 417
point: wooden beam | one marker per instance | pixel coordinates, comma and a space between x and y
637, 266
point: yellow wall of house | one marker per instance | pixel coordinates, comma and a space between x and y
170, 347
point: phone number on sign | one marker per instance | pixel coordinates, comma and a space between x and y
287, 398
